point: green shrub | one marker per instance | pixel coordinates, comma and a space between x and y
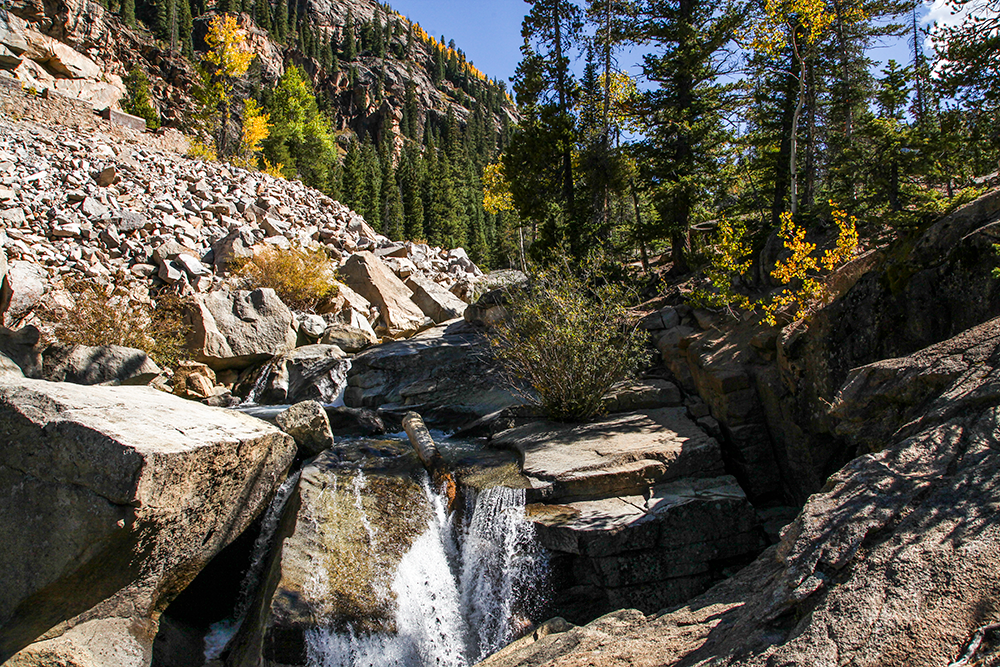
105, 315
301, 278
569, 338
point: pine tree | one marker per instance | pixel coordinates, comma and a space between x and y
185, 28
281, 21
685, 112
349, 52
262, 15
539, 159
128, 13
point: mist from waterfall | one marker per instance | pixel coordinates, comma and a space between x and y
461, 593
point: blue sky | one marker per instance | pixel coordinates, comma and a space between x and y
489, 31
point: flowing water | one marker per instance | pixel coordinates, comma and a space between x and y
460, 593
220, 633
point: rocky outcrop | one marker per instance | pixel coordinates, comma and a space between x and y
893, 562
367, 275
83, 364
340, 539
240, 328
311, 372
111, 501
444, 373
635, 509
618, 455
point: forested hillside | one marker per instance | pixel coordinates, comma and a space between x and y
349, 96
755, 113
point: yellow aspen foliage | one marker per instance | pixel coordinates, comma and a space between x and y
496, 189
273, 170
729, 255
256, 128
803, 266
228, 49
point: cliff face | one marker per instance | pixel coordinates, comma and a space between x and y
80, 49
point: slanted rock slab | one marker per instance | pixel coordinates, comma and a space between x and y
616, 455
112, 499
434, 300
367, 275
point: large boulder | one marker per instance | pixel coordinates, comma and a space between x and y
26, 283
310, 372
342, 535
308, 423
111, 501
892, 563
236, 329
445, 373
367, 275
83, 364
434, 300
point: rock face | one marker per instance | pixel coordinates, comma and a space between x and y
635, 509
237, 329
434, 300
82, 364
891, 563
326, 565
443, 373
311, 372
111, 501
368, 276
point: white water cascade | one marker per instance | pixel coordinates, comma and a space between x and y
458, 593
220, 633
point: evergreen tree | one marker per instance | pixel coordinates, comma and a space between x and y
185, 28
684, 114
349, 52
539, 161
300, 137
128, 13
262, 15
281, 21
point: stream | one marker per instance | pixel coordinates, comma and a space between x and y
468, 583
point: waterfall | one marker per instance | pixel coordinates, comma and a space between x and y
455, 603
221, 632
502, 566
259, 384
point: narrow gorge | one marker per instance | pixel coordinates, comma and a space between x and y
280, 414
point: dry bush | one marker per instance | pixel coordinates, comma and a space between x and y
301, 278
569, 338
106, 315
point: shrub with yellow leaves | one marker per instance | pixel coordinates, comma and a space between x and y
302, 278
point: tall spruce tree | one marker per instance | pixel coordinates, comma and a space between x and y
684, 112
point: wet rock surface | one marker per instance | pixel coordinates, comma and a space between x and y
330, 563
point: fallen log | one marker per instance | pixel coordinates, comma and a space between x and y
429, 455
